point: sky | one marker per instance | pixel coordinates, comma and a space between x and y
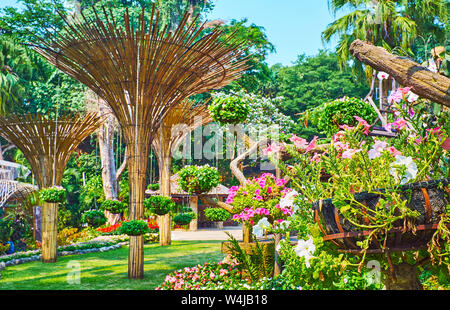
294, 27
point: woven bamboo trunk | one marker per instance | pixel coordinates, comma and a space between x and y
137, 165
165, 222
49, 232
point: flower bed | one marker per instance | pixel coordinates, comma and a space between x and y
115, 229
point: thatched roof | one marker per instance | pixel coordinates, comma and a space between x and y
175, 190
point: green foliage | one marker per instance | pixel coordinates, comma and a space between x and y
184, 218
94, 218
229, 109
159, 205
329, 116
113, 206
313, 80
153, 187
53, 194
217, 214
257, 263
134, 228
198, 179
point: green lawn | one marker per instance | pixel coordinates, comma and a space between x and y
108, 270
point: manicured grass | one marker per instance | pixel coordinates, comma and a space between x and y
109, 270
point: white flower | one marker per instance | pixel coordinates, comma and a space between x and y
410, 172
288, 199
432, 65
412, 97
306, 249
258, 229
382, 75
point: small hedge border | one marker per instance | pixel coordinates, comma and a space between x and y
73, 249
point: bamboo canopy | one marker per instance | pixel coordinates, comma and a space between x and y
141, 73
47, 144
179, 121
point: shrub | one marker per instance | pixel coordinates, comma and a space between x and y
184, 218
153, 187
217, 214
329, 116
113, 206
4, 248
94, 218
67, 236
229, 110
52, 194
159, 205
134, 228
198, 179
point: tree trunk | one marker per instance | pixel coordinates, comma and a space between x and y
165, 237
137, 167
193, 204
276, 267
49, 232
109, 174
405, 278
422, 81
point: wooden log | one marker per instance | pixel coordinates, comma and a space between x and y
422, 81
136, 257
193, 204
49, 232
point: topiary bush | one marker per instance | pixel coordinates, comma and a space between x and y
329, 116
229, 110
53, 194
159, 205
113, 206
198, 179
217, 214
134, 228
94, 218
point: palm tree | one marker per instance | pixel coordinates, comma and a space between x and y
387, 23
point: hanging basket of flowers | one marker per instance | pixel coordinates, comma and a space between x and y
54, 194
229, 110
428, 198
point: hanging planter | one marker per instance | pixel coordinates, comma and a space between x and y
428, 198
198, 179
134, 228
54, 194
229, 110
113, 206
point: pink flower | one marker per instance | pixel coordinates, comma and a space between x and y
350, 152
298, 142
412, 97
395, 96
394, 152
312, 144
363, 123
346, 127
273, 148
316, 158
399, 123
435, 131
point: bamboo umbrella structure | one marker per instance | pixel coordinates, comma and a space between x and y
179, 121
47, 144
141, 73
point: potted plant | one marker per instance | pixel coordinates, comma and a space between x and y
217, 216
159, 205
198, 179
53, 194
134, 228
184, 218
113, 206
94, 218
229, 109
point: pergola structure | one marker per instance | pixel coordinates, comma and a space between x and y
179, 121
47, 144
141, 73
